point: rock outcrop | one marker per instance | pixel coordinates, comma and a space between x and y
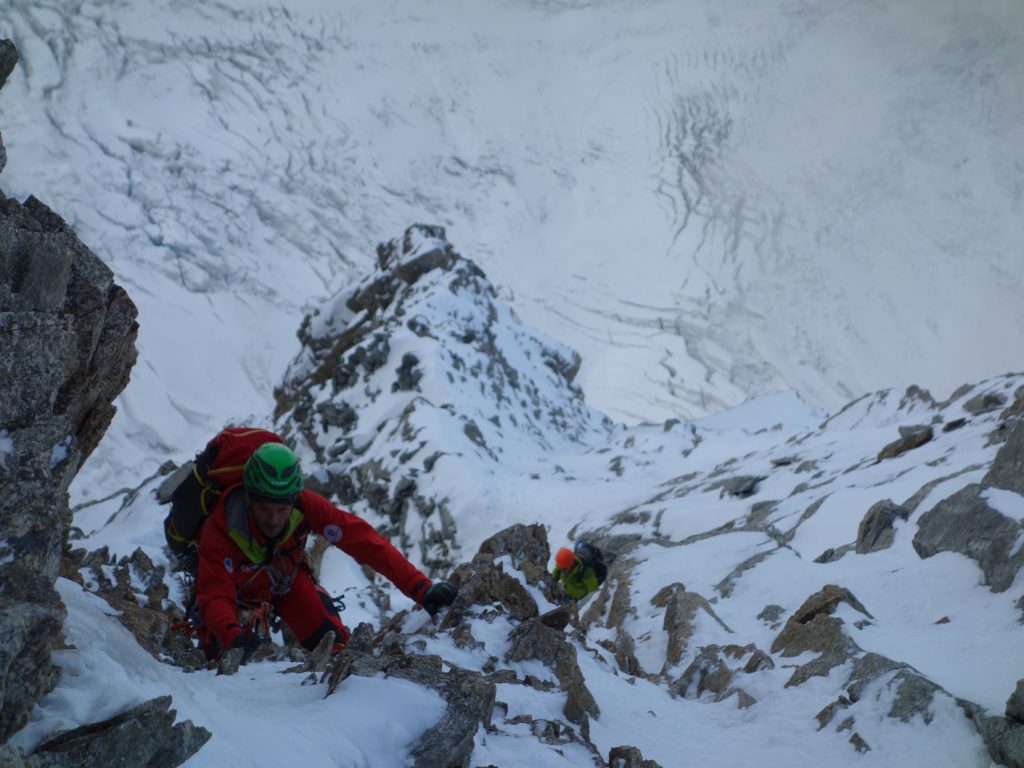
629, 757
966, 523
710, 672
469, 698
461, 377
1004, 736
67, 345
488, 594
910, 438
142, 735
876, 531
679, 623
813, 628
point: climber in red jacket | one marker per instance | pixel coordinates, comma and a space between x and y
250, 554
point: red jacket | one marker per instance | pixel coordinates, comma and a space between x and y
237, 565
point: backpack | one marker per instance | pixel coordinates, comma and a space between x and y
591, 557
216, 467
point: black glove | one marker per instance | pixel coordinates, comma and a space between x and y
440, 594
248, 642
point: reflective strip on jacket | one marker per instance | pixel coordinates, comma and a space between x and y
577, 581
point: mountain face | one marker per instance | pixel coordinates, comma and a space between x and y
708, 203
67, 344
418, 377
784, 586
674, 210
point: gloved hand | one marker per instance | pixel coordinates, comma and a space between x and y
440, 594
248, 642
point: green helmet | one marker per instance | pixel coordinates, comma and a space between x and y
273, 472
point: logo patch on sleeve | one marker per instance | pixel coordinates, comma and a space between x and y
228, 565
332, 533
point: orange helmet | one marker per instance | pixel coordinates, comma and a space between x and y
564, 558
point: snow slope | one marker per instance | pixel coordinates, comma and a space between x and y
736, 509
373, 721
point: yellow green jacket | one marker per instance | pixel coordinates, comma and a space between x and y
577, 581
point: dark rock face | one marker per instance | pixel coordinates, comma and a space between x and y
537, 640
1014, 410
31, 617
612, 605
876, 529
481, 582
67, 344
527, 545
771, 613
965, 523
8, 58
707, 673
57, 298
912, 695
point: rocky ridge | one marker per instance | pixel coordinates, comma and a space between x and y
391, 397
391, 460
416, 368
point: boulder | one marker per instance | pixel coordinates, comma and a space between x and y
707, 673
527, 546
629, 757
912, 694
965, 523
1007, 470
482, 583
771, 613
813, 628
143, 735
910, 438
875, 531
